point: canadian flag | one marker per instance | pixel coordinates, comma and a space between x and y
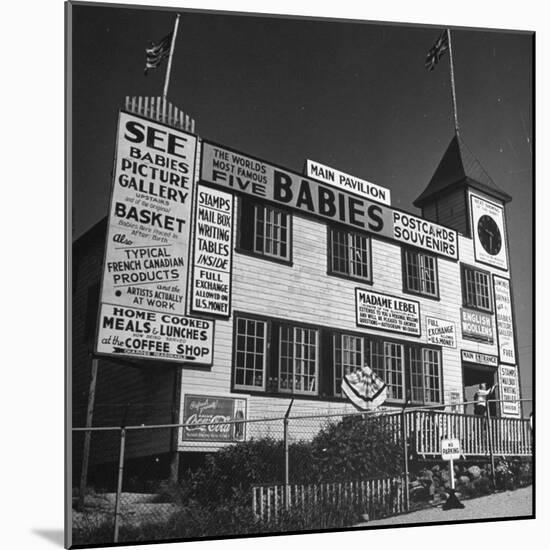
364, 389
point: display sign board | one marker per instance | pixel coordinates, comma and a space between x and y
504, 320
213, 251
440, 332
244, 174
150, 216
489, 232
450, 449
477, 325
203, 418
509, 391
389, 313
146, 334
479, 358
348, 183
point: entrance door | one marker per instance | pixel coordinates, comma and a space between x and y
472, 376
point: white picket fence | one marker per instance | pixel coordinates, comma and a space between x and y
375, 497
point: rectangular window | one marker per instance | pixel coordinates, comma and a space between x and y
407, 367
349, 254
348, 356
298, 360
264, 230
250, 353
476, 289
420, 273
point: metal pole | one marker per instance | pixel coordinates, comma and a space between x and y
169, 67
87, 435
490, 442
285, 436
175, 460
453, 90
119, 482
404, 433
452, 473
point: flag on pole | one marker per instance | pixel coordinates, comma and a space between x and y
364, 389
157, 52
437, 51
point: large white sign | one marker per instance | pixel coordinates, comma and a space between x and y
211, 286
243, 174
384, 312
440, 332
509, 391
489, 232
147, 334
150, 217
476, 325
505, 324
348, 183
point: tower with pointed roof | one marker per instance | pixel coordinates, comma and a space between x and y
445, 199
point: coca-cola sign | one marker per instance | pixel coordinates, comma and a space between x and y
207, 418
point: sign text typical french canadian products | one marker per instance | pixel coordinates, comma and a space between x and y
211, 286
150, 217
384, 312
154, 335
505, 324
264, 181
348, 183
509, 390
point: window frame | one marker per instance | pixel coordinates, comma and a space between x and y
348, 233
294, 327
341, 335
252, 227
464, 268
419, 253
267, 331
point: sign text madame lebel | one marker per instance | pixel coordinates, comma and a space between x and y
244, 174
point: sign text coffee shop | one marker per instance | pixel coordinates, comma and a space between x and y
222, 285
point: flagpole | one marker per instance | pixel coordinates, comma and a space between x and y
453, 89
169, 67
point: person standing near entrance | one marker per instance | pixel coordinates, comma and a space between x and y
480, 399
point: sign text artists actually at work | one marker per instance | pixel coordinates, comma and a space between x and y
243, 174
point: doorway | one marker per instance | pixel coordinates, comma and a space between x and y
472, 376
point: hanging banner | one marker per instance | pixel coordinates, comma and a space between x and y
139, 333
440, 332
488, 232
243, 174
213, 252
150, 216
203, 416
346, 182
477, 325
505, 324
384, 312
509, 391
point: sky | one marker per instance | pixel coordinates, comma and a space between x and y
354, 96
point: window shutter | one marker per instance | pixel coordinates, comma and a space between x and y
246, 224
273, 358
326, 363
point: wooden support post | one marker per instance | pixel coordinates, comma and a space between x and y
119, 483
176, 405
490, 443
87, 435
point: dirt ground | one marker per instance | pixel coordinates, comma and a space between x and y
499, 505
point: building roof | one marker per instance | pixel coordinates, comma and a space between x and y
460, 166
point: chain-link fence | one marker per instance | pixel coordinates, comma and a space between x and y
291, 473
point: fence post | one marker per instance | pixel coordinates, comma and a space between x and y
489, 432
404, 432
285, 436
119, 482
